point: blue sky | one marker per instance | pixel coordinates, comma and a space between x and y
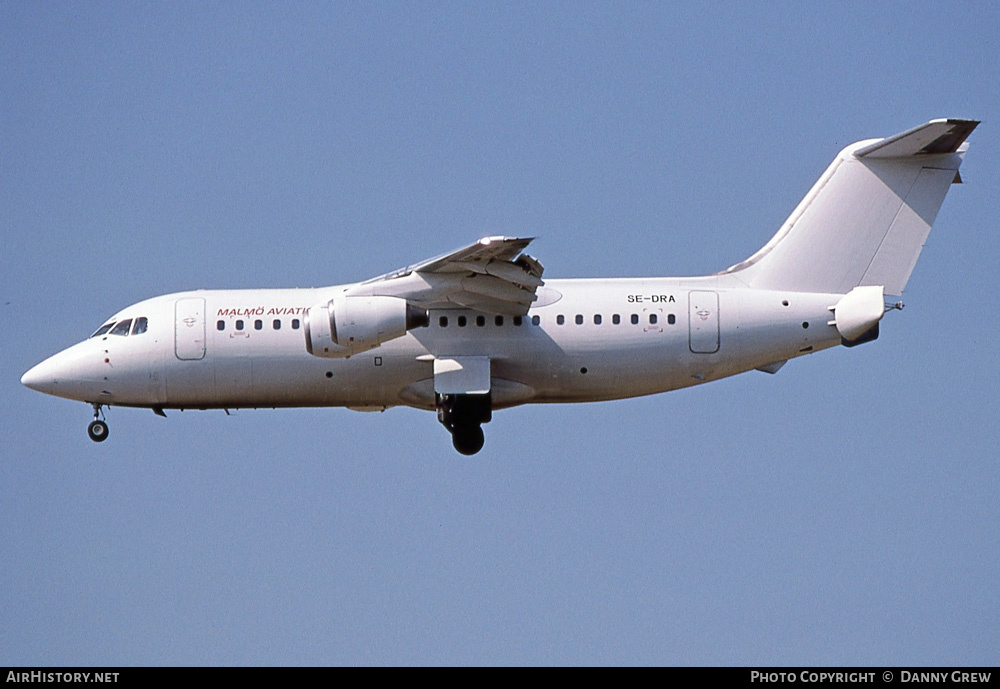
843, 511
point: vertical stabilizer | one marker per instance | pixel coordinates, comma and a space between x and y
867, 218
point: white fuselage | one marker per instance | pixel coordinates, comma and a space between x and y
442, 334
584, 340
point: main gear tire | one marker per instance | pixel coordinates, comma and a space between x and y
468, 440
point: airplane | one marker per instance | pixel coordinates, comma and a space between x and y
478, 329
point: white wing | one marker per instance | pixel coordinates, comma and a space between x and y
492, 276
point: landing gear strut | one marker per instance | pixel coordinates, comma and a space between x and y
463, 415
98, 428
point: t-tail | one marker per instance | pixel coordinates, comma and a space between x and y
865, 221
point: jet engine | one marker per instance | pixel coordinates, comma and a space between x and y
349, 325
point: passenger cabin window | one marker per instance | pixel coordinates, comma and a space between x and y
616, 319
560, 319
652, 319
122, 328
579, 319
536, 320
239, 325
597, 319
258, 324
671, 318
295, 324
498, 321
276, 324
461, 321
517, 320
220, 325
480, 321
103, 329
635, 319
443, 321
140, 326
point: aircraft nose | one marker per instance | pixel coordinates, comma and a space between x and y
41, 377
73, 373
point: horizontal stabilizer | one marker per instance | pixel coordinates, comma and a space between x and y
937, 136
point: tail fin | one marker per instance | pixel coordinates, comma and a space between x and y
867, 218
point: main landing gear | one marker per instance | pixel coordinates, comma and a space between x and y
463, 415
98, 428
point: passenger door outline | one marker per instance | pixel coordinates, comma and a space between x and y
703, 322
189, 328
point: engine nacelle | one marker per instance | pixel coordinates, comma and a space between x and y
348, 325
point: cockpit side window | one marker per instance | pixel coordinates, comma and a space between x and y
122, 327
140, 326
103, 329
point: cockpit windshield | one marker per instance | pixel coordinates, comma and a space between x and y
103, 329
122, 327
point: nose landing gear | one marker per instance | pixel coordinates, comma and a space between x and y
98, 428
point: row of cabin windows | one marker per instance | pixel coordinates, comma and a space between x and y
258, 324
123, 328
481, 321
616, 319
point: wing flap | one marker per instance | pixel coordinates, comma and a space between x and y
495, 288
494, 307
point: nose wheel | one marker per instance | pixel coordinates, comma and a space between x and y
98, 431
98, 428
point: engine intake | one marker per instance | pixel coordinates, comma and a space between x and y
348, 325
